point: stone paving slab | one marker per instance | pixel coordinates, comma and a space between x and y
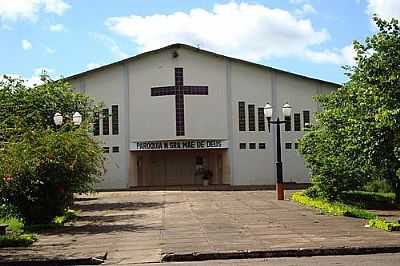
141, 226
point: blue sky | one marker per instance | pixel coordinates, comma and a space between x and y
65, 37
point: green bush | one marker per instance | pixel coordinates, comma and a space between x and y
68, 216
356, 137
41, 166
369, 200
385, 225
44, 168
7, 210
15, 225
15, 234
17, 240
333, 208
377, 185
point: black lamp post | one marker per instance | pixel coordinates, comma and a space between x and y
286, 110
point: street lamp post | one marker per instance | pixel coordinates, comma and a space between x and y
286, 110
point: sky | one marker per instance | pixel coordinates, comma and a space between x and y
66, 37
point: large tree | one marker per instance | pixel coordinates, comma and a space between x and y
22, 107
41, 166
356, 137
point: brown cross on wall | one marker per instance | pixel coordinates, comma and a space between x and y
179, 90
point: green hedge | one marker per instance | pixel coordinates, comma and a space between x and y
334, 208
341, 209
385, 225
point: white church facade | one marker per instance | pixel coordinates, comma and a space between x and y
172, 111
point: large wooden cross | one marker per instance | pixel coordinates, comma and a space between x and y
179, 90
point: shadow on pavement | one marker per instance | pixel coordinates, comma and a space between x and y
109, 206
93, 229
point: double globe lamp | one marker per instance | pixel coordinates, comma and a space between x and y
287, 111
76, 119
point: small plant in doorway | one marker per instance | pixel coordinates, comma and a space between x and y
207, 176
205, 180
204, 174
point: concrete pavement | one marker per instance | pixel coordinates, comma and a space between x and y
143, 226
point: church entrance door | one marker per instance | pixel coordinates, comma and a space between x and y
178, 168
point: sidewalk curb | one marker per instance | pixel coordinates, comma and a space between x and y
56, 262
300, 252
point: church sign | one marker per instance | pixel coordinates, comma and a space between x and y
178, 145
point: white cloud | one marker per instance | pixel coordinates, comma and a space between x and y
344, 56
50, 50
110, 44
6, 27
12, 75
298, 1
57, 28
249, 31
40, 70
55, 6
92, 66
348, 54
306, 9
386, 9
26, 45
13, 10
34, 80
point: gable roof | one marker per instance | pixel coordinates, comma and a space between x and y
192, 48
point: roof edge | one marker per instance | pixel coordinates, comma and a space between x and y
179, 45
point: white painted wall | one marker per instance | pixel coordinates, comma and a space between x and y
153, 117
148, 118
253, 86
107, 86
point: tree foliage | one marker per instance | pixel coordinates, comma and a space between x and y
22, 107
41, 166
356, 138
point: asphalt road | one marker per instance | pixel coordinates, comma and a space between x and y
357, 260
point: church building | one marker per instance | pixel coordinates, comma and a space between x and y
179, 114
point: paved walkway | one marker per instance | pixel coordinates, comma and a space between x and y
138, 227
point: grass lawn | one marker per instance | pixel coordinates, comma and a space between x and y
354, 204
